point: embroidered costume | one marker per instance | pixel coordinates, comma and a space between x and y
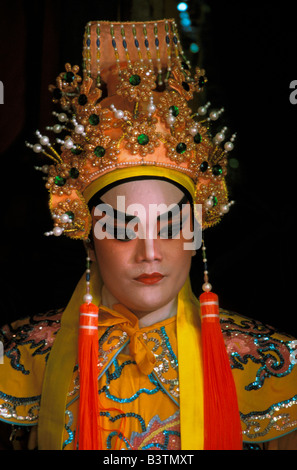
260, 357
127, 118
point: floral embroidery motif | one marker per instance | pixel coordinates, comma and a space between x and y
159, 435
39, 332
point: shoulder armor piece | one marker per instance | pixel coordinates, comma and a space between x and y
27, 344
263, 361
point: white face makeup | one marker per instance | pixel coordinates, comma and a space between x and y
146, 269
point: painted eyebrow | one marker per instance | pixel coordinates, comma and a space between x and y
176, 209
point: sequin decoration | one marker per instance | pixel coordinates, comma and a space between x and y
258, 424
110, 342
115, 372
249, 340
68, 425
8, 409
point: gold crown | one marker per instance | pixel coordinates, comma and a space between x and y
130, 110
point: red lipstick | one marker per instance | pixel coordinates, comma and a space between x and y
149, 278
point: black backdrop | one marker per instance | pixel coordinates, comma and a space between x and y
249, 51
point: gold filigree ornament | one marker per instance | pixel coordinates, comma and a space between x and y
137, 82
182, 82
141, 138
66, 86
172, 108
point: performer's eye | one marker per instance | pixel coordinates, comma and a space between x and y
124, 234
171, 230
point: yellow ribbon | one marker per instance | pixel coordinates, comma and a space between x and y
139, 350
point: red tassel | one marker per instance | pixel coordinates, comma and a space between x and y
222, 428
88, 433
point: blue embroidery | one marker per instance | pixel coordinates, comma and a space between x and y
116, 374
68, 429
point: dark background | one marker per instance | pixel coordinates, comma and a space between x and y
249, 51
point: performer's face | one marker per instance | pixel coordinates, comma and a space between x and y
121, 262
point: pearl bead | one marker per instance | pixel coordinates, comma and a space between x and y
37, 148
57, 231
209, 203
228, 146
224, 208
79, 129
220, 137
57, 128
170, 120
62, 117
44, 140
207, 287
202, 110
64, 218
87, 298
151, 108
68, 144
45, 168
193, 130
214, 115
119, 114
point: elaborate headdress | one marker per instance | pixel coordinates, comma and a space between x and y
128, 116
129, 110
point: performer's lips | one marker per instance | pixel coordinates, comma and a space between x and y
150, 278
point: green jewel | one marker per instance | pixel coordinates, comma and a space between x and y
181, 148
76, 151
198, 138
135, 80
94, 119
70, 214
214, 201
60, 181
174, 110
217, 170
99, 151
82, 99
203, 166
143, 139
74, 173
69, 77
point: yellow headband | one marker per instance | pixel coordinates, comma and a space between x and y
124, 173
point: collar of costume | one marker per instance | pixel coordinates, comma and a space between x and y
63, 359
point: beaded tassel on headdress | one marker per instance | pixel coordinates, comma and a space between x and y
222, 429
